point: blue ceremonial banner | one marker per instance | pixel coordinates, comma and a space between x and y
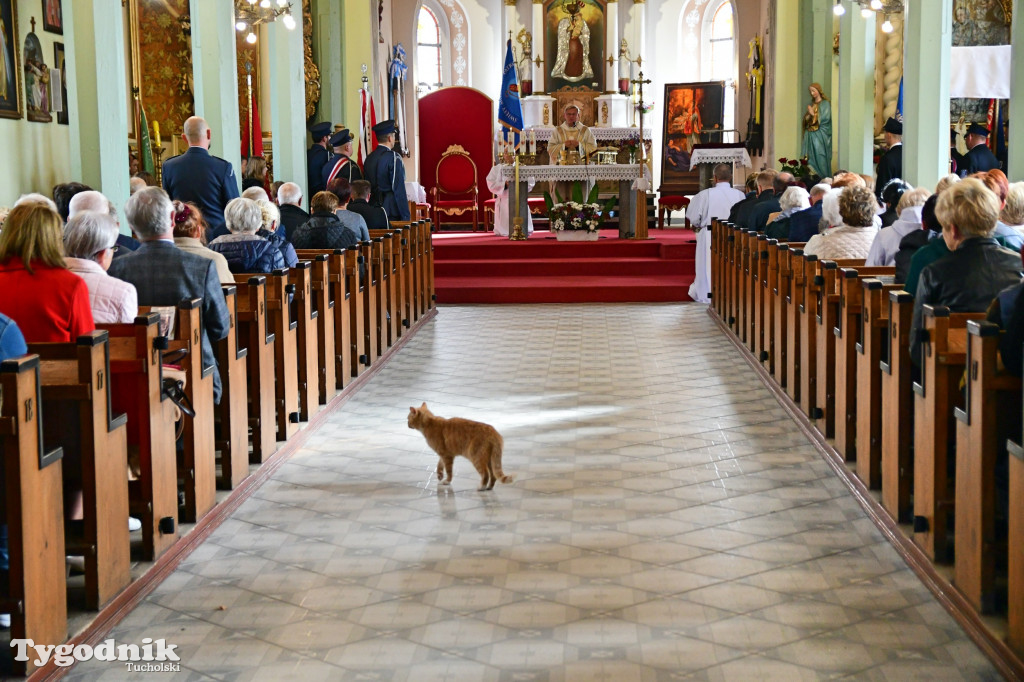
510, 111
899, 101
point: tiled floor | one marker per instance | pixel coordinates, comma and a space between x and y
667, 522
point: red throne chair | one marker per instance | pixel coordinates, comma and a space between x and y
536, 205
669, 203
455, 176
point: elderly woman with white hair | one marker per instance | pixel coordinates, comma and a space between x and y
271, 231
245, 250
792, 200
90, 240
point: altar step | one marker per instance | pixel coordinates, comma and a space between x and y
489, 269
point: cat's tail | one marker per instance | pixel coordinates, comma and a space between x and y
496, 465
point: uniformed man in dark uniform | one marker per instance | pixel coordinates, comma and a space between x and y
340, 164
890, 166
197, 176
317, 156
980, 158
384, 169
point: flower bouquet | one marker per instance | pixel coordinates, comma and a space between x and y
570, 215
645, 107
798, 167
631, 145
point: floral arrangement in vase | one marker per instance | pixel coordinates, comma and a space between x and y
798, 167
645, 107
571, 215
631, 145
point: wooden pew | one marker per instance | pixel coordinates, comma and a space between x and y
395, 276
1015, 546
806, 267
79, 420
428, 250
991, 414
258, 340
781, 295
872, 339
793, 266
371, 311
305, 317
233, 443
381, 278
356, 286
339, 305
323, 298
770, 283
732, 273
847, 331
746, 300
34, 509
136, 373
411, 264
286, 370
898, 410
716, 266
944, 356
760, 319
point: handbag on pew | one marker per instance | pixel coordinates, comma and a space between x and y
173, 376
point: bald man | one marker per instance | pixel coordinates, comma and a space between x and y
197, 176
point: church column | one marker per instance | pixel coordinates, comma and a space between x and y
288, 101
638, 24
537, 7
928, 38
215, 77
358, 45
1016, 151
327, 40
816, 22
95, 58
856, 96
787, 84
511, 22
611, 47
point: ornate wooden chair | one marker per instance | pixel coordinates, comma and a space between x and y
455, 176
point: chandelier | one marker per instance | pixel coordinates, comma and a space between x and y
868, 9
251, 13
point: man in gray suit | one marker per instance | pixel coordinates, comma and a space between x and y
164, 275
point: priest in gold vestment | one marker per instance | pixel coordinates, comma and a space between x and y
570, 136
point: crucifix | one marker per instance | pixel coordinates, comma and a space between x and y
640, 203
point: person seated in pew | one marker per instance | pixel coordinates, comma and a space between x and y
12, 344
1012, 214
91, 200
794, 199
190, 235
271, 231
996, 181
289, 202
324, 230
911, 243
245, 250
887, 241
376, 217
758, 219
63, 193
852, 239
342, 188
37, 290
742, 210
891, 195
804, 224
90, 240
977, 268
164, 275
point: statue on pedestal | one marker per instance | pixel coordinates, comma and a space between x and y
572, 62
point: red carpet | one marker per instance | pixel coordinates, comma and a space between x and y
484, 268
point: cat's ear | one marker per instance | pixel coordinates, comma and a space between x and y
412, 410
423, 406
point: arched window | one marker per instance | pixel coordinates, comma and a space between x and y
428, 52
719, 54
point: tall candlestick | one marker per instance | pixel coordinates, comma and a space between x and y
156, 132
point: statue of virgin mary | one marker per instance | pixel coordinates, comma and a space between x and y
572, 61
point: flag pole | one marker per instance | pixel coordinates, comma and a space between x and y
248, 89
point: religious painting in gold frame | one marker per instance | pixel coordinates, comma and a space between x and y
574, 49
10, 61
694, 114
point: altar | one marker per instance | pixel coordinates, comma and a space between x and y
630, 176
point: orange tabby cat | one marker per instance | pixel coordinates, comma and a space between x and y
479, 443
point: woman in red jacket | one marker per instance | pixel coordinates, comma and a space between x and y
48, 301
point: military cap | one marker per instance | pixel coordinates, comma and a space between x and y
319, 130
893, 126
977, 129
341, 137
385, 127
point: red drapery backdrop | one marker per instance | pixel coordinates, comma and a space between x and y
456, 115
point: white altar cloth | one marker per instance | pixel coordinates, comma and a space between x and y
730, 155
543, 134
621, 171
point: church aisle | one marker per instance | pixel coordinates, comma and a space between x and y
667, 522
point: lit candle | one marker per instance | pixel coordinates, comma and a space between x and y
533, 141
156, 133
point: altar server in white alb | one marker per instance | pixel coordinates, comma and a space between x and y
714, 202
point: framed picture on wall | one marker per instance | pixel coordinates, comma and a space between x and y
10, 61
694, 114
53, 17
60, 84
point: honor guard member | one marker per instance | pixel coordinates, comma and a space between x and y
890, 166
341, 165
317, 156
980, 158
384, 169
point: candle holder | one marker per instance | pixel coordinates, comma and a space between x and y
528, 159
158, 164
